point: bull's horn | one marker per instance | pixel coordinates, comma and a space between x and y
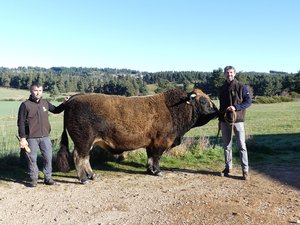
191, 97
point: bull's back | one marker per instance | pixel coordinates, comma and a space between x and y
131, 122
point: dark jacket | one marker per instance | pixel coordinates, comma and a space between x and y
237, 95
33, 119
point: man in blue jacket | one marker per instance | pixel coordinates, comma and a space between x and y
234, 99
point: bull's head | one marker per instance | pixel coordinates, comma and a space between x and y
204, 106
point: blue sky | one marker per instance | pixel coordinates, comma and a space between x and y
152, 35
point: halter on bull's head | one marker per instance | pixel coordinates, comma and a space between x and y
192, 97
203, 105
198, 94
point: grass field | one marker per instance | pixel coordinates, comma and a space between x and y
272, 130
16, 94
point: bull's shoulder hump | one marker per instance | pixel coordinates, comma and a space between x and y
96, 98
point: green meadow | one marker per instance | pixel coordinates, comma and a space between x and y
272, 132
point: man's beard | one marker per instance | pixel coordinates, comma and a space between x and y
34, 98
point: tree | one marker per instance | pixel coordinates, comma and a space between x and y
214, 82
164, 85
80, 86
54, 91
15, 82
187, 86
4, 80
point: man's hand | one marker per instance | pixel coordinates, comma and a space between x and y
231, 108
24, 144
66, 99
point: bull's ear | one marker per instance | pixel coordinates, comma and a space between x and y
192, 97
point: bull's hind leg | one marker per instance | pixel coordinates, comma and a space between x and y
83, 167
153, 162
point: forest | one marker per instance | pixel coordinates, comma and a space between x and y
128, 82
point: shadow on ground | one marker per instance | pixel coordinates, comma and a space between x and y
276, 156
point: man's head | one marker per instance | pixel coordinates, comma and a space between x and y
36, 91
229, 73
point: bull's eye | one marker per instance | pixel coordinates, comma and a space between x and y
203, 100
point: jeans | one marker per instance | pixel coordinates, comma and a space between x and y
239, 132
45, 146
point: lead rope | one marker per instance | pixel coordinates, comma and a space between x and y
229, 121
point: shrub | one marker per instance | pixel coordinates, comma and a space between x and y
294, 94
194, 145
273, 99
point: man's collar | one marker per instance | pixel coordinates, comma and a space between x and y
34, 99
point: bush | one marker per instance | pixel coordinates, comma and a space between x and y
9, 100
273, 99
194, 145
294, 94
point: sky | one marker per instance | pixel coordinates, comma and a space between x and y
152, 35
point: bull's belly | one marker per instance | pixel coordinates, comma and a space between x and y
118, 145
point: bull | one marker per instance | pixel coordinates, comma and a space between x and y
117, 123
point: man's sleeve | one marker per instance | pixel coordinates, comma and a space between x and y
57, 109
246, 99
22, 121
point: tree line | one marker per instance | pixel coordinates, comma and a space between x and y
128, 82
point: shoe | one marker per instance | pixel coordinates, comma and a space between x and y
32, 183
246, 176
225, 172
49, 182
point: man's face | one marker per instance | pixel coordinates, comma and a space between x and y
229, 75
36, 92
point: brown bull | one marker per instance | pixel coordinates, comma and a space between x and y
119, 124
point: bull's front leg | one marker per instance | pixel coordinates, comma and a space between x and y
153, 162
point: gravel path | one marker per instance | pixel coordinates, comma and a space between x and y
179, 197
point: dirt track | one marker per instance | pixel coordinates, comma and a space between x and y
179, 197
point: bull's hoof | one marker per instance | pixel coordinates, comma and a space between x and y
84, 181
159, 174
154, 173
92, 176
150, 172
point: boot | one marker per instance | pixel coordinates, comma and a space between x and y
225, 172
246, 176
49, 181
32, 183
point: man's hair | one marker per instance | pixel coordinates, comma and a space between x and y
35, 84
229, 68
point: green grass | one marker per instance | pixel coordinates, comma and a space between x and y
277, 118
272, 130
16, 94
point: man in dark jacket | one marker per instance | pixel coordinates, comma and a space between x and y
34, 129
234, 99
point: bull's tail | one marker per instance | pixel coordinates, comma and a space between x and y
63, 155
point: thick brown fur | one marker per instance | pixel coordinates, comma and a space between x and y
119, 124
